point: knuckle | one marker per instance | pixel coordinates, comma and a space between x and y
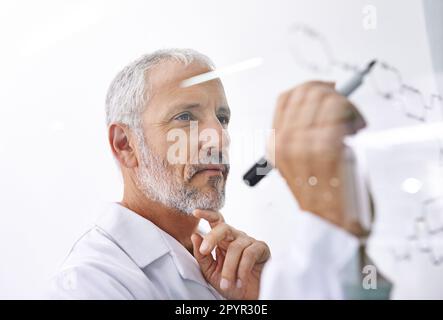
209, 238
336, 101
316, 92
228, 270
228, 229
240, 244
249, 253
222, 226
236, 246
249, 239
294, 97
308, 85
332, 99
248, 258
262, 244
282, 97
314, 85
228, 273
241, 234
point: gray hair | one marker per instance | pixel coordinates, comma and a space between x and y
130, 90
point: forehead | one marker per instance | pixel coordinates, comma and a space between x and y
165, 79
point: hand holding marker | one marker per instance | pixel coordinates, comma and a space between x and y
261, 168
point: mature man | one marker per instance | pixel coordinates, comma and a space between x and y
148, 246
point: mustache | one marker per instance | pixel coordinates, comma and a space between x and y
224, 168
209, 162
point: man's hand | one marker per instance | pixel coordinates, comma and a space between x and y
239, 259
310, 124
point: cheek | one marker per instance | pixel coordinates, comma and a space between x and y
176, 146
156, 141
161, 148
179, 171
182, 170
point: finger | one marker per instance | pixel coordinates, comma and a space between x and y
256, 254
220, 259
338, 109
213, 217
292, 107
282, 102
309, 110
292, 110
339, 128
232, 260
218, 233
280, 108
206, 261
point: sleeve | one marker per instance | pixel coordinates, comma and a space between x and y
310, 265
86, 283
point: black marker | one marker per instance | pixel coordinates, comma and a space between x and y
261, 168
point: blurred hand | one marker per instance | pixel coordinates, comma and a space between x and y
239, 261
310, 124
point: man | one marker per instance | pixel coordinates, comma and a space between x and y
148, 246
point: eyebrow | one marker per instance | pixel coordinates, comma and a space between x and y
190, 106
186, 106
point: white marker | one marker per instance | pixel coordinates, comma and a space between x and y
207, 76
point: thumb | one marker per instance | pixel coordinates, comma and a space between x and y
205, 261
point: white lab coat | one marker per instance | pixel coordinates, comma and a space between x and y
125, 256
313, 264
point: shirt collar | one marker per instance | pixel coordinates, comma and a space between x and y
144, 242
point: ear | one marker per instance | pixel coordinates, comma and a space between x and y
122, 145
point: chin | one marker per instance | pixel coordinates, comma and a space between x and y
212, 200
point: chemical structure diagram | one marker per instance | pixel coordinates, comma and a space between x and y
427, 233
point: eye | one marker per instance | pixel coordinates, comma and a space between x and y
224, 120
186, 116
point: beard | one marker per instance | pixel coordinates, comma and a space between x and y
156, 179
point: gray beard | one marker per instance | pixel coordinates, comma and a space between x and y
155, 178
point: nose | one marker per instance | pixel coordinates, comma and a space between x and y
214, 138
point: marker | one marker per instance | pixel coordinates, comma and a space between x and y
261, 168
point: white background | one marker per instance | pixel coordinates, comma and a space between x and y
58, 58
